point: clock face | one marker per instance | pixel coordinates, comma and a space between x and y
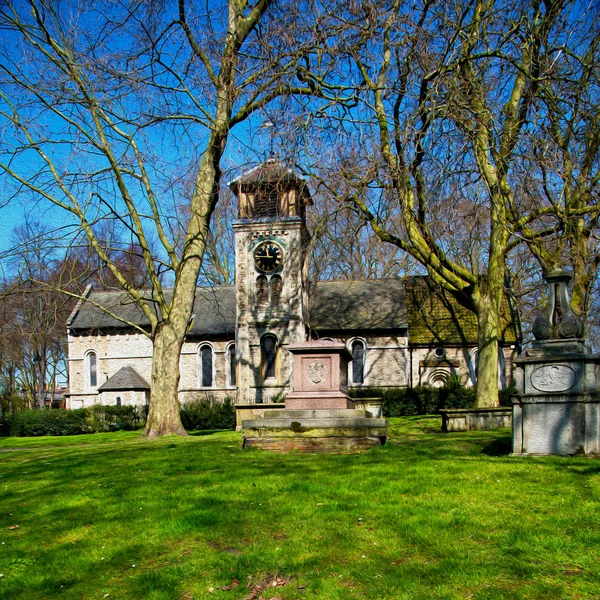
268, 257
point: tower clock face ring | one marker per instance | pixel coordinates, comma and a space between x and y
268, 257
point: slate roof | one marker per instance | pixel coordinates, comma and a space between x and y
363, 304
435, 317
214, 311
126, 378
432, 316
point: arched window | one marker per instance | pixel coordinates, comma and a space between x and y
276, 288
118, 401
501, 370
473, 365
206, 366
358, 361
231, 366
268, 356
92, 369
262, 290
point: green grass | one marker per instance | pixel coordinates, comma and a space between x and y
427, 516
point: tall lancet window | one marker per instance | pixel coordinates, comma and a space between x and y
262, 290
92, 360
358, 362
206, 366
231, 365
268, 356
276, 287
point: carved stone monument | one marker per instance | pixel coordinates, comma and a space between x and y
319, 415
320, 376
557, 408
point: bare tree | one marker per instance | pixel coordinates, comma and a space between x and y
447, 96
107, 107
560, 169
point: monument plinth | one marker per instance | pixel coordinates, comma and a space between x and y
320, 376
557, 408
319, 416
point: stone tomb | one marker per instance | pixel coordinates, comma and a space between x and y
557, 409
319, 415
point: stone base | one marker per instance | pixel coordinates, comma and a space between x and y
556, 424
316, 400
475, 419
326, 430
373, 405
253, 411
334, 445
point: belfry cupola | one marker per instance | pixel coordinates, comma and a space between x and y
271, 191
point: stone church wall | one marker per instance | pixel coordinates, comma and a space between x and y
135, 350
433, 365
385, 360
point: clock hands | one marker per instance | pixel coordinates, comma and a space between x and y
268, 256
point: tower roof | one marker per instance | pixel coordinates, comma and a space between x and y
272, 172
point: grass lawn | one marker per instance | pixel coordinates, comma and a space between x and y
427, 516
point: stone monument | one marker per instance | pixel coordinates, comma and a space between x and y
319, 415
557, 408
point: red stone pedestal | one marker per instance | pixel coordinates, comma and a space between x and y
320, 376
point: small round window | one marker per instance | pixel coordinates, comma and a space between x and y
439, 353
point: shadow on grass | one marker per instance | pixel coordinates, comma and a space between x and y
501, 446
205, 432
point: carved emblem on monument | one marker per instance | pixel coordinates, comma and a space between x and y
553, 378
316, 371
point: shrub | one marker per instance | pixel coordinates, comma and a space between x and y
203, 414
31, 423
207, 414
4, 427
421, 400
115, 418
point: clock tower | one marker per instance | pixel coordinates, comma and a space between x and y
270, 246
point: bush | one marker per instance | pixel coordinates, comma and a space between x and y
207, 414
421, 400
115, 418
203, 414
33, 423
4, 427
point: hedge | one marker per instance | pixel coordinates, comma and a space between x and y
205, 414
421, 400
31, 423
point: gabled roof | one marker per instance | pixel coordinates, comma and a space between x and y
126, 378
214, 311
358, 305
431, 315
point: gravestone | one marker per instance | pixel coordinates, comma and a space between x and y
557, 408
319, 416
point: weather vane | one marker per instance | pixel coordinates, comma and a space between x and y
269, 125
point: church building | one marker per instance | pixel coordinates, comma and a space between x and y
401, 332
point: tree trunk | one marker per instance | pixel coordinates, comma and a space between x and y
487, 358
163, 407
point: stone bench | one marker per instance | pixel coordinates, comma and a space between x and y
475, 419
